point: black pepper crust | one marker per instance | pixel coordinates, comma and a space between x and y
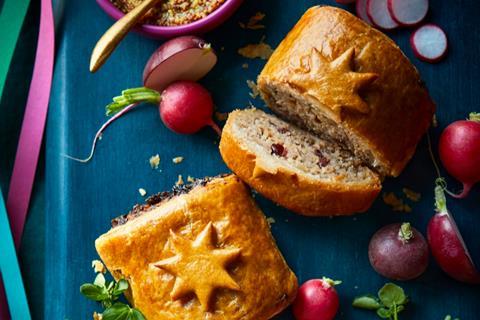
156, 199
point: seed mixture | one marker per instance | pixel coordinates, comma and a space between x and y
172, 12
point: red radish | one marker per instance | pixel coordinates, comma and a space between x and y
185, 107
377, 11
316, 299
182, 58
408, 12
459, 150
446, 242
361, 8
429, 43
345, 1
399, 252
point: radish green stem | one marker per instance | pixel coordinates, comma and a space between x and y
474, 116
130, 96
100, 131
440, 200
437, 168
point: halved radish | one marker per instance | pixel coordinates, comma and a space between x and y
377, 11
408, 12
429, 43
183, 58
361, 8
345, 1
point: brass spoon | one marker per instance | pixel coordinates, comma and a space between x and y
110, 39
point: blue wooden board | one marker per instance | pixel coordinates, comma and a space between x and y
81, 199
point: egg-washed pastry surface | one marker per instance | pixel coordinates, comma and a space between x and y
205, 252
337, 76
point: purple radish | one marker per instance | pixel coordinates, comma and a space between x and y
447, 244
398, 251
184, 106
429, 43
377, 11
361, 9
183, 58
408, 12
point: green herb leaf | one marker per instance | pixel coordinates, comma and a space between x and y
368, 302
136, 315
99, 280
94, 292
384, 313
120, 287
391, 294
118, 311
121, 311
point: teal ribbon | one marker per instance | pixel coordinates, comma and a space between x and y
12, 16
11, 21
11, 274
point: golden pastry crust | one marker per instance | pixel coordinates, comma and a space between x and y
241, 273
297, 193
399, 108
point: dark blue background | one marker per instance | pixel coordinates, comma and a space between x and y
73, 203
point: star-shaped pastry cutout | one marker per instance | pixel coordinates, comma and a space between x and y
199, 266
333, 83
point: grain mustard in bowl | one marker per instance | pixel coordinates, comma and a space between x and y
199, 16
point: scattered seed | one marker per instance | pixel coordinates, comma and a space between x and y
253, 86
154, 161
179, 180
177, 160
98, 266
142, 192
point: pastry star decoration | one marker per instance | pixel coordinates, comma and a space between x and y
333, 83
199, 267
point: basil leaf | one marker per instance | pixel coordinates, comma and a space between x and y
93, 292
368, 302
118, 311
120, 287
391, 294
384, 313
99, 280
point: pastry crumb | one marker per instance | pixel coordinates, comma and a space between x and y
221, 116
179, 180
97, 316
253, 86
245, 66
412, 195
253, 22
256, 50
222, 49
190, 179
154, 161
177, 160
270, 220
98, 266
395, 203
142, 192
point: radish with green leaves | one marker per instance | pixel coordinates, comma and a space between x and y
459, 149
185, 106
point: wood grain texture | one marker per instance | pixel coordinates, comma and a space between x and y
81, 199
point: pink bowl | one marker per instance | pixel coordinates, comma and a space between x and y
203, 25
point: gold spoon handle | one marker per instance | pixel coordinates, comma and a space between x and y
110, 39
